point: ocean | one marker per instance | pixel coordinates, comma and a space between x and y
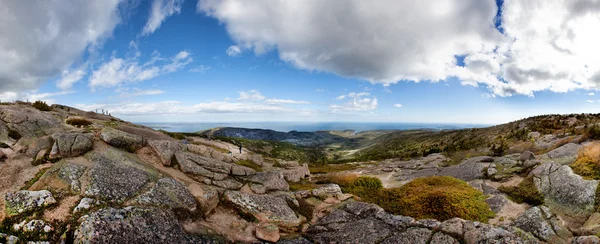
305, 126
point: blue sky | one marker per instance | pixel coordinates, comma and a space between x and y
295, 61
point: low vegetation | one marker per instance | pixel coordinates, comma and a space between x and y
525, 192
79, 122
438, 197
250, 164
588, 162
41, 105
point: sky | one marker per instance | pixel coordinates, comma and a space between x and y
439, 61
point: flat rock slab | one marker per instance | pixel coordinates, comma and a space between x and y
268, 181
134, 225
116, 177
566, 154
265, 208
70, 173
168, 193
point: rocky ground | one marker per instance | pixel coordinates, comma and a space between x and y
115, 182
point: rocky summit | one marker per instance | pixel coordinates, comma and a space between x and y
70, 176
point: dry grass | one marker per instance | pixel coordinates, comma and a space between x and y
588, 162
342, 179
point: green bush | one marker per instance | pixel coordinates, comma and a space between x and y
78, 122
438, 197
593, 132
525, 192
588, 162
41, 105
368, 182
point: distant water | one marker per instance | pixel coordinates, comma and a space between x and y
307, 127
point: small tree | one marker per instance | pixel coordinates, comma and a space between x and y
41, 105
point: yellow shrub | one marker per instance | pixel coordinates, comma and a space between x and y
588, 162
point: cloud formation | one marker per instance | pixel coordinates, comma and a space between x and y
41, 39
355, 102
233, 51
252, 95
118, 71
159, 11
543, 45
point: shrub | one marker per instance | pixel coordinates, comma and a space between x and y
368, 182
78, 122
588, 162
524, 192
593, 132
343, 180
41, 105
438, 197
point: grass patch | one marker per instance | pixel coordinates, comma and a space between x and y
79, 122
525, 192
588, 162
329, 168
303, 185
41, 105
250, 164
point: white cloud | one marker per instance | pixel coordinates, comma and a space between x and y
118, 71
319, 90
201, 69
175, 107
285, 101
546, 45
355, 102
591, 94
252, 95
233, 51
70, 77
590, 101
397, 105
41, 39
159, 11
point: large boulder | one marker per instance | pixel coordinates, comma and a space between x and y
543, 224
207, 197
297, 173
71, 144
24, 201
116, 177
527, 155
123, 140
469, 169
268, 181
166, 150
168, 193
265, 208
564, 190
134, 225
566, 154
27, 122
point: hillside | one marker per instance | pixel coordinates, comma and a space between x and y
70, 176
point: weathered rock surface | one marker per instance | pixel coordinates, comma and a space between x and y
207, 197
23, 201
359, 222
586, 240
134, 225
168, 193
564, 190
267, 232
166, 150
71, 144
469, 169
27, 121
264, 182
265, 208
527, 155
123, 140
85, 204
116, 177
543, 224
566, 154
70, 173
210, 152
326, 191
297, 173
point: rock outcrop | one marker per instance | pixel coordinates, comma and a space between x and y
23, 201
540, 222
71, 144
265, 208
169, 193
122, 140
166, 150
565, 191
